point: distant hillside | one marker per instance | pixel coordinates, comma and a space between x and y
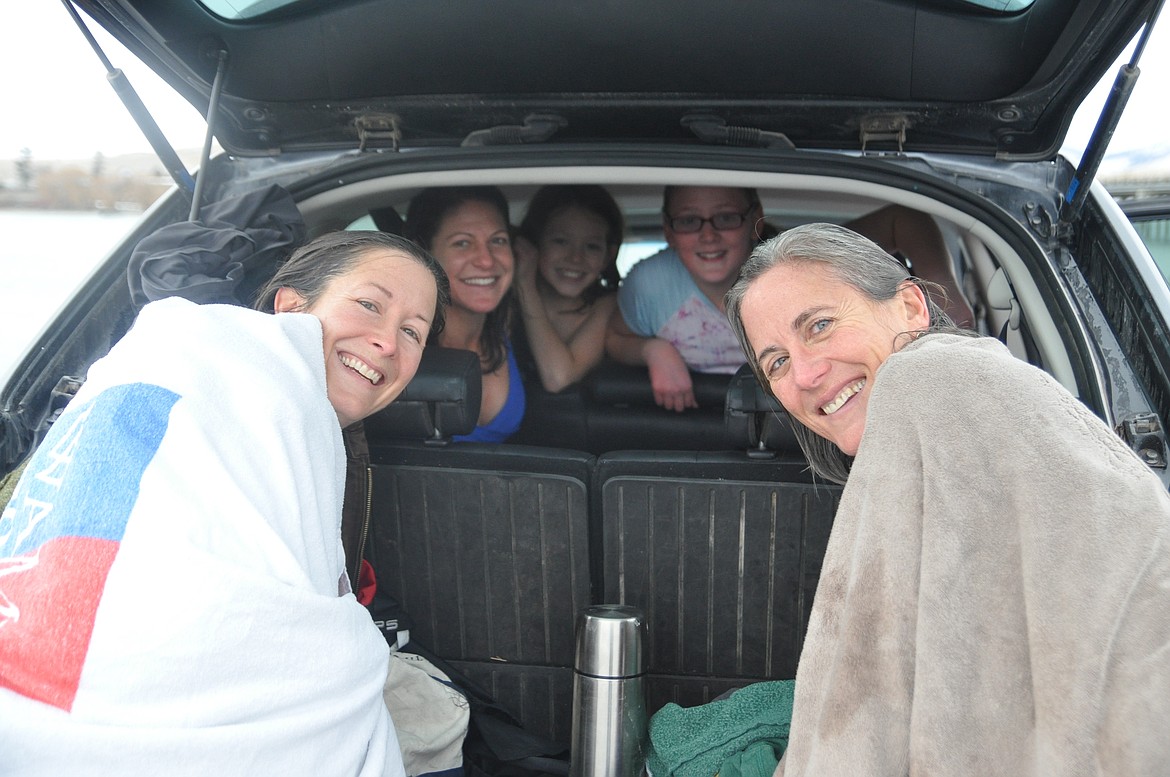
134, 181
125, 182
1140, 164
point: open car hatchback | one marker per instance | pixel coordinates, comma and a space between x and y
707, 520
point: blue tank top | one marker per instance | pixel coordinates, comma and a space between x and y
507, 421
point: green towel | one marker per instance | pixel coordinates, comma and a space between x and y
759, 760
696, 741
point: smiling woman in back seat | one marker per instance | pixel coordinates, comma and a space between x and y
467, 230
994, 595
183, 606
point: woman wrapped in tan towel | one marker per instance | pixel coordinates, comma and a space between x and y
995, 597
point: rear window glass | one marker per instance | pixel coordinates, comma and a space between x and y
1155, 232
244, 9
247, 9
634, 250
1146, 201
1002, 6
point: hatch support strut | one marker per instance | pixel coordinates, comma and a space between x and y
166, 153
205, 157
1078, 188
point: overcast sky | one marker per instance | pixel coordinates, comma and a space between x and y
58, 104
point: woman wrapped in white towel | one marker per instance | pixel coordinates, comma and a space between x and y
173, 590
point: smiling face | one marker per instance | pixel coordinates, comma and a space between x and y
820, 342
473, 246
713, 257
574, 250
375, 319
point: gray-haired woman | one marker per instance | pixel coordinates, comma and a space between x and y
849, 260
995, 591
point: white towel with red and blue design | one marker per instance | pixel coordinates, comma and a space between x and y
173, 597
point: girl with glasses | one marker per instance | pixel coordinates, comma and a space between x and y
671, 304
672, 314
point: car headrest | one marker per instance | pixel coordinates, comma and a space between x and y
441, 401
753, 416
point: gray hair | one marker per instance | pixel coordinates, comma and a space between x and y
852, 259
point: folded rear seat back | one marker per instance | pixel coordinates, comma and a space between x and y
722, 550
485, 547
723, 553
493, 549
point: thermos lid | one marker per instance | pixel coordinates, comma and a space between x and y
609, 641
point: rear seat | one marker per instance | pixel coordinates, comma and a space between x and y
493, 549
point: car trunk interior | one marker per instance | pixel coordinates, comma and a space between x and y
709, 520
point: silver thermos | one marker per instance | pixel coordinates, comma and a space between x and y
609, 700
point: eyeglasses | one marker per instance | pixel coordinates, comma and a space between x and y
720, 221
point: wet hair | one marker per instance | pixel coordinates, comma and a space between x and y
854, 260
550, 201
313, 266
425, 214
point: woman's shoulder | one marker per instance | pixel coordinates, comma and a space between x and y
660, 281
176, 316
663, 264
977, 373
971, 395
199, 349
948, 354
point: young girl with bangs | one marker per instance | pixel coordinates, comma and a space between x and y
566, 276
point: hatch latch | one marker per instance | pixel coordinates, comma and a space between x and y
376, 128
1039, 220
884, 128
713, 129
537, 128
1143, 432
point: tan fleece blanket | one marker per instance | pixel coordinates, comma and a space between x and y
995, 597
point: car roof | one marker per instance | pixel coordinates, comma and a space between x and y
912, 75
